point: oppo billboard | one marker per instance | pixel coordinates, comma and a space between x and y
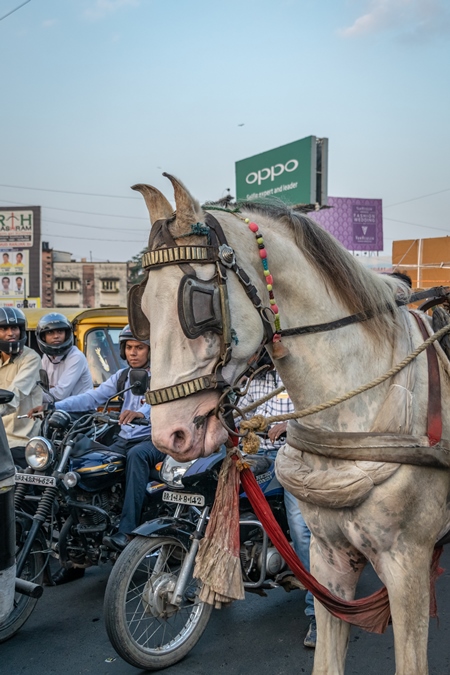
296, 173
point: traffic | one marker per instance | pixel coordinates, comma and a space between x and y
91, 489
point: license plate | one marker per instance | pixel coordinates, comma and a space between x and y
182, 498
33, 479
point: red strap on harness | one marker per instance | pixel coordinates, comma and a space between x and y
371, 613
434, 419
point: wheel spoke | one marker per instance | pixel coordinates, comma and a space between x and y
152, 632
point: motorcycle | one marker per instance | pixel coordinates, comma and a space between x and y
153, 614
70, 497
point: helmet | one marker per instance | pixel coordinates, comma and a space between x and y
10, 316
125, 335
54, 321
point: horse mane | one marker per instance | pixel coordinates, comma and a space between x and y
358, 288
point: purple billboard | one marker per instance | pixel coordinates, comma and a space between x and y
356, 223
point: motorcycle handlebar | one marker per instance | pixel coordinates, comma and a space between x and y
140, 422
113, 418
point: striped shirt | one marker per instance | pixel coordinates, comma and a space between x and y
278, 405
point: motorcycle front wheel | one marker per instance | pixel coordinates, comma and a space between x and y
144, 628
23, 604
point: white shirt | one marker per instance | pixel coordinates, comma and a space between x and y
67, 376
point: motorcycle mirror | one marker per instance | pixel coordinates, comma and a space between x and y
43, 380
6, 396
139, 381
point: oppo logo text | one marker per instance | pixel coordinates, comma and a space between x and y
272, 172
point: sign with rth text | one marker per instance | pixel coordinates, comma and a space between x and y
16, 229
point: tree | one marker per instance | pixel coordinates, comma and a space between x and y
135, 271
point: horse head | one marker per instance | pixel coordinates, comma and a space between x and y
193, 322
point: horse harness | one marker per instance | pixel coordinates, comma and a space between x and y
204, 306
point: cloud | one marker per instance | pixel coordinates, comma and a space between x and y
101, 8
408, 18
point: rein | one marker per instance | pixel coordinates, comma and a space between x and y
434, 295
261, 423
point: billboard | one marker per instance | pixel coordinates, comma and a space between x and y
296, 173
31, 303
20, 254
356, 223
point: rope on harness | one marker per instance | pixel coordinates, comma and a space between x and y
261, 423
263, 399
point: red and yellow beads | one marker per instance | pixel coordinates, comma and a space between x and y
269, 278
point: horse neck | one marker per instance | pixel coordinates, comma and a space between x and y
323, 365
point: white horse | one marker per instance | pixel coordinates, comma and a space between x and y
402, 510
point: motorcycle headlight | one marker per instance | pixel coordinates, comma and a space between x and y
39, 453
172, 471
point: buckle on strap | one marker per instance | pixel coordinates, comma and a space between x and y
167, 394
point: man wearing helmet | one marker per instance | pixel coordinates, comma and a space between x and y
135, 442
66, 366
19, 373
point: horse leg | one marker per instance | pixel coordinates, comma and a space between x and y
406, 575
337, 566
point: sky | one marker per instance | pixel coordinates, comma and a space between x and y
98, 95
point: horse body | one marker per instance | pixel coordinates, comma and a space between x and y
397, 524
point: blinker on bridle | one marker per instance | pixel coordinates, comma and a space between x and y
204, 305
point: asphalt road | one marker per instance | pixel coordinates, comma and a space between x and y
263, 636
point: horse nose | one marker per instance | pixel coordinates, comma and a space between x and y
181, 440
175, 442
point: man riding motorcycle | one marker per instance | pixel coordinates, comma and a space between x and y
19, 373
66, 366
135, 442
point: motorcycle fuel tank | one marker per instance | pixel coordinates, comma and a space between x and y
98, 470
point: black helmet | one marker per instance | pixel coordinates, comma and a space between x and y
54, 321
10, 316
125, 335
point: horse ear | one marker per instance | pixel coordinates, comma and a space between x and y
158, 206
139, 324
188, 209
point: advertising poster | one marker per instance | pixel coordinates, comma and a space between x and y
356, 223
20, 252
30, 303
290, 172
14, 274
16, 228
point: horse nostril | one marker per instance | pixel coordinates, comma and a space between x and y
179, 438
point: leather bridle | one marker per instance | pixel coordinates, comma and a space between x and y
216, 317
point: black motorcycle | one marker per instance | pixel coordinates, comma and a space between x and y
153, 613
70, 497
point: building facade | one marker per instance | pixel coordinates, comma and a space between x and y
70, 283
